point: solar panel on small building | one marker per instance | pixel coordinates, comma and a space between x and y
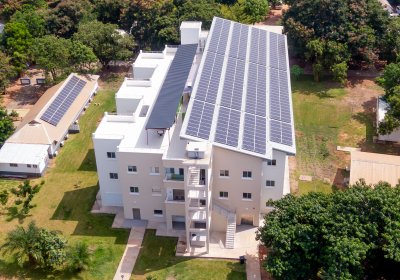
60, 105
244, 84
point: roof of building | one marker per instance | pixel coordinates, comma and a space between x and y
23, 153
373, 168
34, 130
191, 24
164, 110
241, 99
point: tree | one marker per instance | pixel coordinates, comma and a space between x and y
37, 245
64, 19
26, 191
81, 56
339, 71
110, 11
391, 41
358, 25
6, 72
247, 11
6, 125
52, 54
344, 235
17, 41
78, 256
200, 10
32, 19
107, 43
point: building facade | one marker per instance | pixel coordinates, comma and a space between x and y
149, 163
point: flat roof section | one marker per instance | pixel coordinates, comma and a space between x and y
163, 113
23, 153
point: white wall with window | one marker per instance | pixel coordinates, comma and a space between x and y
132, 169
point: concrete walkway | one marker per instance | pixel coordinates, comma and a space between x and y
131, 253
253, 268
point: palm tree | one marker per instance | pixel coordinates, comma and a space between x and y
24, 243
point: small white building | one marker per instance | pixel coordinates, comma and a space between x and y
45, 128
202, 134
381, 109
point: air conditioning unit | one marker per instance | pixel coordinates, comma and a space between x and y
196, 150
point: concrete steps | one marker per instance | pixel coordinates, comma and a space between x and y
194, 176
231, 224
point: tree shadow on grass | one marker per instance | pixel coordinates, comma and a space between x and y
76, 205
14, 213
237, 271
89, 162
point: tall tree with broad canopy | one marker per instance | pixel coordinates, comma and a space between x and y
247, 11
351, 234
6, 71
107, 43
359, 25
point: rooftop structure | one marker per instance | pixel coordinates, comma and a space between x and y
46, 125
151, 165
374, 168
242, 98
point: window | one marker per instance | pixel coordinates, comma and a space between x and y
13, 165
158, 212
132, 169
247, 174
34, 166
224, 173
113, 175
271, 161
111, 154
29, 165
134, 190
270, 183
223, 194
156, 191
246, 195
155, 170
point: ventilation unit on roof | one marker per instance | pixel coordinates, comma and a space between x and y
196, 150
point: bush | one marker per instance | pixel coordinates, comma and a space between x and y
339, 72
79, 256
296, 71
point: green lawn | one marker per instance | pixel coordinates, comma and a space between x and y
314, 186
65, 200
157, 259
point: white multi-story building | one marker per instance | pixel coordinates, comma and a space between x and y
202, 133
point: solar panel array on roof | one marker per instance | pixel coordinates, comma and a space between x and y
232, 91
163, 113
63, 101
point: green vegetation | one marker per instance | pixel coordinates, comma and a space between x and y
314, 186
157, 259
390, 81
247, 11
335, 32
350, 234
6, 125
64, 204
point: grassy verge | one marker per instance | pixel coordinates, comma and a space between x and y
157, 259
314, 186
65, 200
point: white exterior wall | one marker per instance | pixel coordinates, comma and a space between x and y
277, 173
110, 189
235, 185
146, 200
190, 33
126, 106
23, 168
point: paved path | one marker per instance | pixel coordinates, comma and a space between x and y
131, 253
253, 268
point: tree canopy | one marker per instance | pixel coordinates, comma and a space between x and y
356, 27
247, 11
390, 81
352, 234
6, 125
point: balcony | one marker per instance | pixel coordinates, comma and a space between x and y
198, 203
175, 196
174, 177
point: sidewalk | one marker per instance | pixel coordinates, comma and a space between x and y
131, 253
252, 268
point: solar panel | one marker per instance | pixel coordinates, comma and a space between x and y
238, 47
254, 134
227, 131
60, 105
219, 38
233, 84
281, 133
210, 77
200, 119
256, 90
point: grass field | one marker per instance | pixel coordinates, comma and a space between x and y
65, 200
157, 259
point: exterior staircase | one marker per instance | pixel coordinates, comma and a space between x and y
194, 176
231, 224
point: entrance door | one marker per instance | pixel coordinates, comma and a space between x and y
136, 213
247, 220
